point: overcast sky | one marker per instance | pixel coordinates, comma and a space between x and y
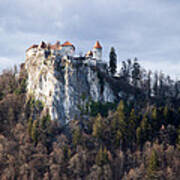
146, 29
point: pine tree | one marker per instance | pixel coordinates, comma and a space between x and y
167, 115
98, 127
34, 132
45, 121
153, 161
132, 125
119, 125
136, 73
152, 165
102, 156
156, 121
121, 121
121, 116
120, 110
139, 135
149, 84
113, 61
125, 71
118, 137
162, 88
155, 84
76, 136
146, 129
154, 113
30, 124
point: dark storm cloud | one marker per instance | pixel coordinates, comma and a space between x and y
148, 30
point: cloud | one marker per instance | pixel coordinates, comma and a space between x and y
148, 30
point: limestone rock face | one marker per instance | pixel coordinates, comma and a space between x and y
63, 84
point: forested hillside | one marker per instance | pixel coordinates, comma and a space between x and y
134, 138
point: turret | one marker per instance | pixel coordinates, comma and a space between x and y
97, 51
68, 48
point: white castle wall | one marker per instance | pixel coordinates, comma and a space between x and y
97, 53
67, 50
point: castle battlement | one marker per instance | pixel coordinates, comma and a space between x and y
65, 49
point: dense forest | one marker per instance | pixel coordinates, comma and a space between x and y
133, 138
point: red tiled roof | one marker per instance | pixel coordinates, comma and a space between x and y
97, 45
67, 43
56, 46
33, 46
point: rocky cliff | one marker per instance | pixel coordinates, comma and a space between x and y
63, 83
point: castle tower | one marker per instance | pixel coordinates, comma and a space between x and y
97, 51
68, 48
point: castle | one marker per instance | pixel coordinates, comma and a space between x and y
65, 49
59, 78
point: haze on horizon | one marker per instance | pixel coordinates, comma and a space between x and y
148, 30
